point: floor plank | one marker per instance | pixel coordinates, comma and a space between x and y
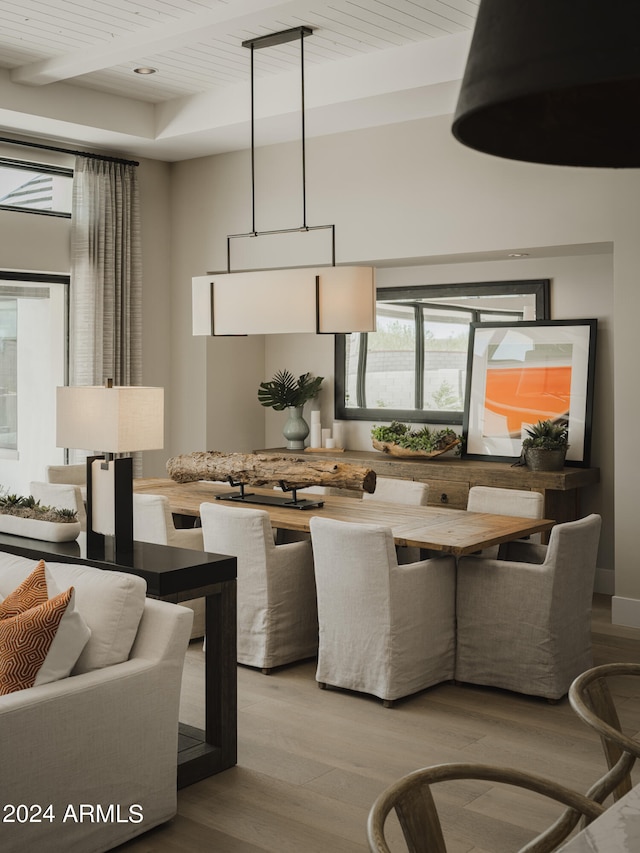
311, 762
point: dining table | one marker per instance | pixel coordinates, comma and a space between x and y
439, 529
615, 831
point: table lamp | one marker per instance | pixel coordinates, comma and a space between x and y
110, 420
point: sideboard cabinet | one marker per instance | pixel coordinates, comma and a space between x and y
450, 477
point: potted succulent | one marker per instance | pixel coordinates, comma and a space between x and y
284, 391
546, 446
25, 516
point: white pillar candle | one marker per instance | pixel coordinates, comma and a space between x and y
316, 435
329, 443
315, 416
338, 433
326, 433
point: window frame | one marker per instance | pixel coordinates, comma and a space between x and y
540, 288
28, 166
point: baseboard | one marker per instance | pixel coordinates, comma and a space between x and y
605, 582
625, 611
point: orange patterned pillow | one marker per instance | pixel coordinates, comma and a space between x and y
32, 591
41, 638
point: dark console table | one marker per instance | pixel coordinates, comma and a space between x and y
176, 574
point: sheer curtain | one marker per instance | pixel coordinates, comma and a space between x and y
105, 313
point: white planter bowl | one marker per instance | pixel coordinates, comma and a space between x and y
34, 528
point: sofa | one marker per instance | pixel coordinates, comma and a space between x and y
89, 761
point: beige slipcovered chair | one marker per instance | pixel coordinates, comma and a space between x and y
396, 491
75, 475
413, 802
385, 629
526, 626
153, 522
391, 490
518, 502
277, 615
61, 496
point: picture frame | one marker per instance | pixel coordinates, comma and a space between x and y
520, 373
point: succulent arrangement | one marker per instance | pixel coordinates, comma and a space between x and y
424, 439
548, 435
29, 507
284, 390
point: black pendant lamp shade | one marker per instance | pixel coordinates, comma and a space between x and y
555, 82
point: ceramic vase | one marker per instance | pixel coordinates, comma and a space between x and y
296, 428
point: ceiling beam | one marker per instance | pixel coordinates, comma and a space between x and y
219, 21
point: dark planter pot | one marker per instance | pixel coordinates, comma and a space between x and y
539, 459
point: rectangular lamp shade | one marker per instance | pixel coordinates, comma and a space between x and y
321, 300
121, 419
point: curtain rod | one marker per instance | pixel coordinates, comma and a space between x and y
69, 151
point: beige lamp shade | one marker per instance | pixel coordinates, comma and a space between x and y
329, 300
121, 419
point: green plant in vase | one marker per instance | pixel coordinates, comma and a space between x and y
284, 391
546, 445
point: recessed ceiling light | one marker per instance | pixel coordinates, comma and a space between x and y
144, 69
518, 255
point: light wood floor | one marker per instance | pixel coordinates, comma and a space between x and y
311, 762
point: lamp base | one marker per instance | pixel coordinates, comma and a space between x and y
110, 503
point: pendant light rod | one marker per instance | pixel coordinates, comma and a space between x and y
270, 40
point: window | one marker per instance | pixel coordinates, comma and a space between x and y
413, 367
33, 360
35, 188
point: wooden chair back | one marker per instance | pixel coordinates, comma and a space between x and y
591, 699
414, 805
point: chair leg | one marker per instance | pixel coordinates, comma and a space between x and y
267, 670
388, 703
322, 685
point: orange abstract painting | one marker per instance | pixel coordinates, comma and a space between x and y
524, 395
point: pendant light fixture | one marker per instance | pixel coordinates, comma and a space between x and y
318, 299
553, 82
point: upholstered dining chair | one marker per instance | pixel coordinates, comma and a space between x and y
75, 475
396, 491
526, 626
153, 522
392, 490
277, 613
413, 802
385, 629
591, 699
61, 496
519, 502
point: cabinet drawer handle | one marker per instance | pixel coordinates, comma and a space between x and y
444, 498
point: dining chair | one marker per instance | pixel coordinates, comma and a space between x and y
412, 800
519, 502
591, 699
384, 629
75, 475
396, 491
61, 496
277, 612
153, 522
526, 626
392, 490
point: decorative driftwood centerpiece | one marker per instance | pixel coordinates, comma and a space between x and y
263, 469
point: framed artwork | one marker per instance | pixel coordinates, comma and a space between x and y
521, 373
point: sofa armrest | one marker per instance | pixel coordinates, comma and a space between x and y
105, 737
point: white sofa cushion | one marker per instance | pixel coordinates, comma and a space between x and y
110, 602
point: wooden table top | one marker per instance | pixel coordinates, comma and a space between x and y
451, 531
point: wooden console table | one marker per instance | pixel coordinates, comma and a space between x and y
176, 574
450, 478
